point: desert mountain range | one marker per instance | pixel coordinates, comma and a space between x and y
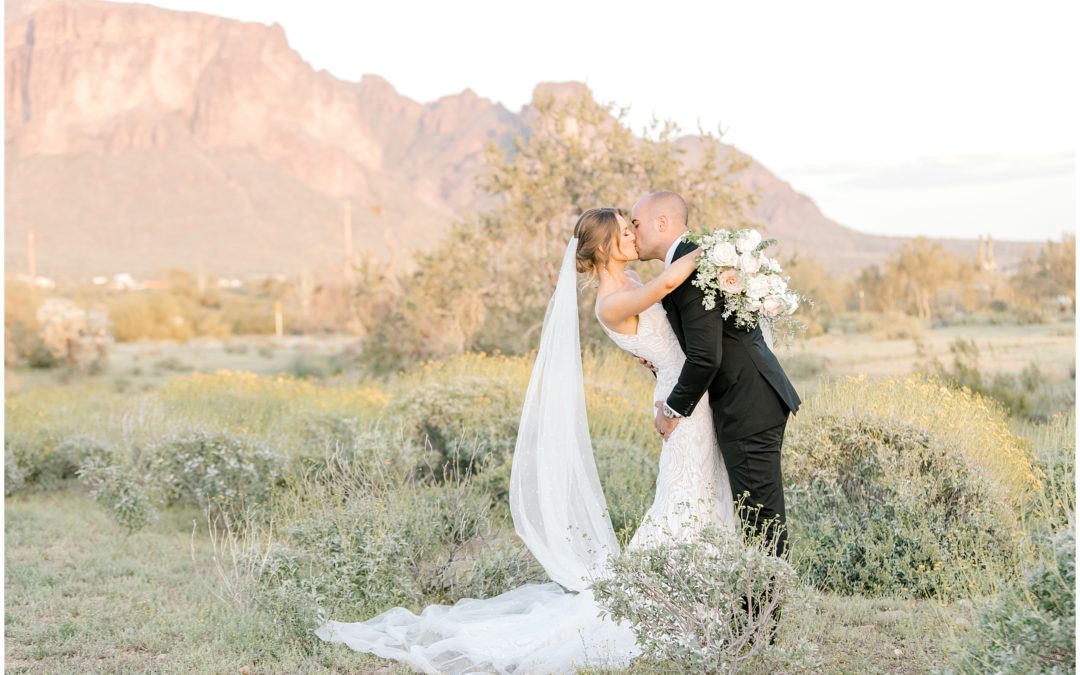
139, 138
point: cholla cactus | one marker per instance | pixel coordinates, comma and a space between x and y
62, 322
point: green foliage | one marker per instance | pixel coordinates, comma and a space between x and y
214, 470
1030, 628
486, 286
44, 460
920, 279
1030, 393
353, 553
128, 496
687, 601
1049, 273
883, 507
890, 325
801, 365
808, 277
467, 420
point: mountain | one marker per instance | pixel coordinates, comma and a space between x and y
139, 138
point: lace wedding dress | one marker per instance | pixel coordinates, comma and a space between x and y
560, 513
692, 488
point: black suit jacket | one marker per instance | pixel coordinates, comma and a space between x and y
748, 390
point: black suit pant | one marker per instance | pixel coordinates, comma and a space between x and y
753, 468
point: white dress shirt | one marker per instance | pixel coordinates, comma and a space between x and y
667, 264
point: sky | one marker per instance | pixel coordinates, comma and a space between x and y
943, 118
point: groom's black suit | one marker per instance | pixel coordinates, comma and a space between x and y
749, 393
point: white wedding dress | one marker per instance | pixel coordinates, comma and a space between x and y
692, 488
560, 513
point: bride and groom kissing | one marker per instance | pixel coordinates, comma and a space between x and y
720, 404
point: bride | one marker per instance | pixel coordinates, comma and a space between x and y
558, 507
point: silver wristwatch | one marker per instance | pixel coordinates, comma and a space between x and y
669, 413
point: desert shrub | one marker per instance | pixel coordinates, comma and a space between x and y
465, 419
130, 497
801, 365
307, 366
1053, 505
214, 470
1030, 628
687, 601
34, 461
154, 314
350, 554
891, 325
174, 364
905, 487
1029, 393
46, 436
14, 477
882, 511
234, 347
280, 408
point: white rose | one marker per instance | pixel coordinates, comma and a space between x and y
777, 285
772, 305
754, 305
723, 255
749, 263
773, 265
757, 287
747, 241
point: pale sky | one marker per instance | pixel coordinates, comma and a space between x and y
950, 119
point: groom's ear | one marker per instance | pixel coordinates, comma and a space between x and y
661, 223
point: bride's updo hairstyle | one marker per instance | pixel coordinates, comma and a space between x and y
595, 232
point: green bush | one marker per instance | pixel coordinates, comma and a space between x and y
466, 420
687, 601
350, 554
1030, 628
1030, 393
215, 470
128, 496
14, 477
881, 507
44, 461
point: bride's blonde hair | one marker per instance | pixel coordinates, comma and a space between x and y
595, 231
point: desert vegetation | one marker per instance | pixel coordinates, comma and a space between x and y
287, 500
196, 492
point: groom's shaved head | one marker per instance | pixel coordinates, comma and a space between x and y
668, 204
658, 219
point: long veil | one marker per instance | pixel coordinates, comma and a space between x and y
766, 332
558, 506
559, 511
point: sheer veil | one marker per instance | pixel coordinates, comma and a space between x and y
560, 513
766, 332
558, 506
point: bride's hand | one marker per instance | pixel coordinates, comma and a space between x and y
648, 365
682, 268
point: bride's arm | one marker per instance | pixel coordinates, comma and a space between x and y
620, 306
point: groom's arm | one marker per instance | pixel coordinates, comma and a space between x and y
702, 334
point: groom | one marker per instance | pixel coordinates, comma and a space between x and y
748, 391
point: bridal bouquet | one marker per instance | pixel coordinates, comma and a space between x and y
734, 264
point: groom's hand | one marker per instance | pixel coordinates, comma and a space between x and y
648, 365
664, 425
